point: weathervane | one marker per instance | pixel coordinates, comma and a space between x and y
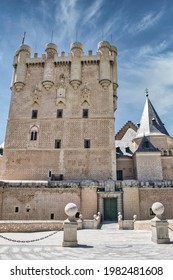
146, 91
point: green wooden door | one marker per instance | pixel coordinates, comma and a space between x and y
110, 209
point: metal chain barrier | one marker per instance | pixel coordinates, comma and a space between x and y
28, 241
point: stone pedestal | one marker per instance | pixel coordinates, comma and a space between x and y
70, 234
70, 227
160, 232
159, 226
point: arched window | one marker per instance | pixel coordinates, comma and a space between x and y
34, 133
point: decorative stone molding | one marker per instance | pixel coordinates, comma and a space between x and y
47, 84
75, 84
36, 94
105, 83
19, 86
85, 95
61, 91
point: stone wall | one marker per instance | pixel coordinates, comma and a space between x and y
148, 166
47, 200
167, 167
131, 203
89, 202
147, 196
30, 226
126, 165
42, 201
1, 165
37, 203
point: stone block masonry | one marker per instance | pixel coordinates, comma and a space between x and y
46, 201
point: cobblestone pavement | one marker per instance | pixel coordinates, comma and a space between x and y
106, 243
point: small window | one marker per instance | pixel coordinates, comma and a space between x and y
118, 150
33, 135
50, 173
34, 114
146, 144
61, 177
57, 144
59, 113
52, 216
127, 149
87, 143
16, 209
85, 113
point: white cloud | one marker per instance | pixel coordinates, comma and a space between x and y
93, 11
153, 50
66, 18
153, 72
146, 22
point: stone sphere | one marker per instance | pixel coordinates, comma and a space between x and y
71, 209
158, 208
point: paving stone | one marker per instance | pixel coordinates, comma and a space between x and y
106, 243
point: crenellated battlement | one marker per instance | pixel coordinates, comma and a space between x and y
51, 52
105, 58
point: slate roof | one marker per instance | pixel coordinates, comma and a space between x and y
120, 134
123, 140
150, 123
146, 146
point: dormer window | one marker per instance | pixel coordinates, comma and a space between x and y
146, 145
127, 149
118, 149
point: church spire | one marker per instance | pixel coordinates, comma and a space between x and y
150, 123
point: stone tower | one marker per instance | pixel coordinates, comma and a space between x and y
61, 117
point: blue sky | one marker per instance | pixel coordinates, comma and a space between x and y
141, 30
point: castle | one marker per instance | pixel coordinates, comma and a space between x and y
61, 146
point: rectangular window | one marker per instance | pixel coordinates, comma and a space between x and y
16, 209
52, 216
34, 114
57, 144
59, 113
85, 113
87, 143
50, 173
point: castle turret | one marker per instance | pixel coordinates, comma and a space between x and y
104, 49
48, 76
76, 54
20, 66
